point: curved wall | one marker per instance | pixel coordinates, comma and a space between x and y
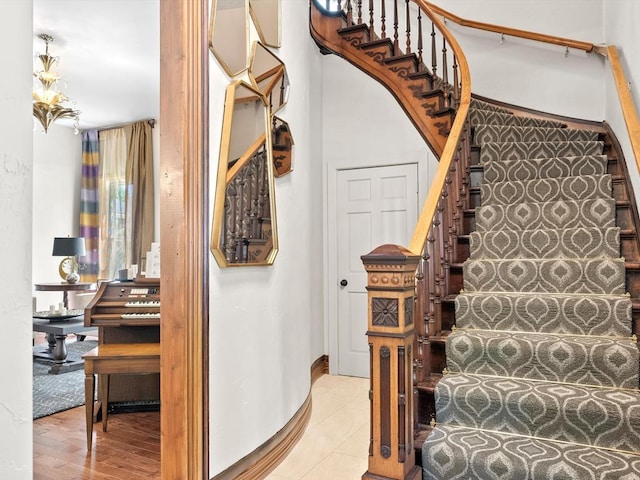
266, 324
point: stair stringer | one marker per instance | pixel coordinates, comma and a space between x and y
325, 31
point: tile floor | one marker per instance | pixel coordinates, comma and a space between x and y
335, 444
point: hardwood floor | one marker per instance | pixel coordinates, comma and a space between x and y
129, 450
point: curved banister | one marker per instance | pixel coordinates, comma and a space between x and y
627, 105
513, 32
430, 206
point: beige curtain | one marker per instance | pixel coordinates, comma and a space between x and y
139, 175
112, 193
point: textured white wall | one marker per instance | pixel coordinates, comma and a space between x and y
528, 73
265, 321
15, 240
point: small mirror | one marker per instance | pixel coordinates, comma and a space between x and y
266, 17
229, 34
244, 226
282, 145
269, 75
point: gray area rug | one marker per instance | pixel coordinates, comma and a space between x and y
56, 393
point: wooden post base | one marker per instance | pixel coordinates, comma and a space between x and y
414, 474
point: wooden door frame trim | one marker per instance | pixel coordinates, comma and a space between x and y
184, 236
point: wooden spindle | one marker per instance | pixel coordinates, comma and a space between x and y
349, 13
456, 83
408, 20
359, 12
434, 57
371, 21
420, 45
383, 19
396, 44
445, 74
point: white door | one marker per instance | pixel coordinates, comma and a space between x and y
375, 206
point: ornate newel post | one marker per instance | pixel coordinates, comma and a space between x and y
391, 273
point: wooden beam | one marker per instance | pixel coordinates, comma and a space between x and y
183, 234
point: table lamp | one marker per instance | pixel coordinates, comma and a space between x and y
70, 248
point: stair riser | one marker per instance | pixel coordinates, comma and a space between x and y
604, 418
492, 152
599, 315
597, 213
569, 243
547, 190
582, 360
482, 105
489, 117
595, 276
501, 134
525, 170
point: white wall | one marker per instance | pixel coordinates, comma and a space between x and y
547, 80
15, 240
620, 25
262, 318
362, 126
57, 170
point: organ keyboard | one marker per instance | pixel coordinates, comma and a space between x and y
128, 312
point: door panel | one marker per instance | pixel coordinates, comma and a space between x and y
375, 206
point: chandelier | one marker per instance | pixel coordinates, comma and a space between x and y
47, 100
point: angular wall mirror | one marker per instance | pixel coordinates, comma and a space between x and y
229, 34
269, 75
244, 218
282, 145
266, 17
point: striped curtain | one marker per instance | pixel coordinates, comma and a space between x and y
89, 221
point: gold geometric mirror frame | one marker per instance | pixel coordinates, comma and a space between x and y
269, 75
229, 34
282, 146
244, 231
266, 16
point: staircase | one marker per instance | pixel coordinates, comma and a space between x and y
525, 359
542, 371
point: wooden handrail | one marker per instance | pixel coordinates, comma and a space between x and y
514, 32
244, 159
629, 110
627, 105
428, 212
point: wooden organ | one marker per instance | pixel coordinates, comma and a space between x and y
128, 312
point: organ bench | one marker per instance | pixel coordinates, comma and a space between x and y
127, 315
114, 358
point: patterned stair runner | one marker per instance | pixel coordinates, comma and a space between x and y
542, 373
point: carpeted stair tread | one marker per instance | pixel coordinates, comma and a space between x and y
546, 243
559, 275
496, 151
603, 315
523, 170
547, 190
477, 104
508, 133
595, 416
581, 359
465, 453
599, 212
479, 116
